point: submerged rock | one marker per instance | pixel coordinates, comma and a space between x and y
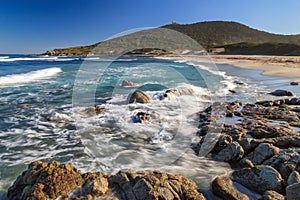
138, 97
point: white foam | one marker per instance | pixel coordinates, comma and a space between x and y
41, 58
17, 79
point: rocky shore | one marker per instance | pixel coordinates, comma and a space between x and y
260, 141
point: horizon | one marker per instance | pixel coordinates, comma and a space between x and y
34, 27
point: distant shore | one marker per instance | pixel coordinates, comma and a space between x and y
283, 66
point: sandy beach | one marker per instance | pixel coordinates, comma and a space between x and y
283, 66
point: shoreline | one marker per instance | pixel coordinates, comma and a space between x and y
280, 66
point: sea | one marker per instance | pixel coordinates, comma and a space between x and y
46, 103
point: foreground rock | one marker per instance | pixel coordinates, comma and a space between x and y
293, 192
272, 195
224, 188
138, 97
259, 179
45, 181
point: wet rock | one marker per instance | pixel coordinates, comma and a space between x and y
259, 179
238, 82
281, 93
93, 110
294, 178
24, 106
141, 117
263, 152
45, 181
292, 191
272, 195
232, 152
224, 188
294, 83
127, 83
138, 97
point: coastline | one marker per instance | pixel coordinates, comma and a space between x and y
282, 66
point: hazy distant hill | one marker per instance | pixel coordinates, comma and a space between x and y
236, 38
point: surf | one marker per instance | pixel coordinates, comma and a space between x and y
33, 76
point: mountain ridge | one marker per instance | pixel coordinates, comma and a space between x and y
216, 34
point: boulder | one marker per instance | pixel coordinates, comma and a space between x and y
272, 195
294, 83
138, 97
141, 117
236, 132
224, 188
127, 83
292, 191
265, 130
285, 162
263, 152
281, 93
233, 151
93, 110
128, 184
259, 178
45, 181
294, 178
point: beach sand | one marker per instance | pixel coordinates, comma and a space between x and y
282, 66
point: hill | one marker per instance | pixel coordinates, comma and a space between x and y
216, 33
269, 48
233, 36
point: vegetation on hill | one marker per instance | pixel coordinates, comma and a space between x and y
270, 48
236, 38
217, 33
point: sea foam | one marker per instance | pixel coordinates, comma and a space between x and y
17, 79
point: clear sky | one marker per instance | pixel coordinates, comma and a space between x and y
34, 26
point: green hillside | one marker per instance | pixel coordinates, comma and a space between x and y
217, 33
236, 38
270, 48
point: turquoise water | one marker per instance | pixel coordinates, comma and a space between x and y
42, 119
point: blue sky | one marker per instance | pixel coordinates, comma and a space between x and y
34, 26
